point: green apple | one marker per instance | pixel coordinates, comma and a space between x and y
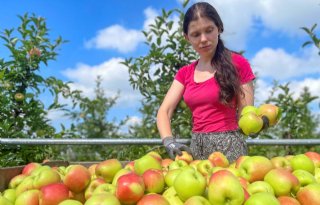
5, 201
107, 169
184, 156
105, 188
29, 197
225, 188
10, 194
197, 200
301, 161
272, 112
70, 202
283, 182
171, 176
189, 183
146, 162
45, 177
153, 199
16, 180
254, 168
19, 97
259, 186
94, 183
205, 167
26, 184
262, 198
171, 195
317, 174
304, 177
281, 162
250, 123
309, 195
105, 198
195, 163
177, 164
249, 108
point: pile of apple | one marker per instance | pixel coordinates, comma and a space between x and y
254, 119
152, 180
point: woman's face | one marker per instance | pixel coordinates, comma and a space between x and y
203, 35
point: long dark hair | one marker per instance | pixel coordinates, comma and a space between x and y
226, 73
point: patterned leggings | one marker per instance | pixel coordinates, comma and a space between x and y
230, 143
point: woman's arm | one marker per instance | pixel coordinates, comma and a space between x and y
167, 108
247, 98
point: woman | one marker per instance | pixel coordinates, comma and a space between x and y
215, 87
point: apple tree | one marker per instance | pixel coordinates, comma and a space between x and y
22, 113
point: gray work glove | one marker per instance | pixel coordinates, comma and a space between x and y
174, 148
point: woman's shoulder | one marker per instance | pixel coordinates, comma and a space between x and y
239, 60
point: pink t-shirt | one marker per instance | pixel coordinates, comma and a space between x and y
208, 114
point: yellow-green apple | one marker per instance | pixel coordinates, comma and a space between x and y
184, 156
28, 168
240, 160
283, 182
37, 170
105, 188
53, 194
16, 180
153, 199
130, 166
154, 181
197, 200
107, 169
29, 197
234, 171
254, 168
10, 194
171, 176
260, 186
225, 188
156, 155
250, 123
165, 163
177, 164
76, 178
146, 162
315, 157
26, 184
45, 177
121, 172
105, 198
249, 108
94, 183
171, 195
288, 200
309, 195
130, 188
317, 174
262, 198
92, 170
5, 201
281, 162
70, 202
189, 183
205, 167
301, 161
272, 112
218, 159
304, 177
195, 163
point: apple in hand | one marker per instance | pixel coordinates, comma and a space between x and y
262, 198
197, 200
146, 162
225, 188
153, 199
184, 156
250, 123
283, 182
301, 161
272, 112
249, 108
101, 199
107, 169
254, 168
29, 197
130, 188
218, 159
76, 178
189, 183
154, 181
53, 194
309, 195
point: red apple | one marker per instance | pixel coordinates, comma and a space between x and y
107, 169
288, 200
146, 162
315, 157
153, 199
119, 174
156, 155
218, 159
53, 194
154, 181
165, 163
130, 188
77, 178
309, 195
27, 169
184, 156
130, 166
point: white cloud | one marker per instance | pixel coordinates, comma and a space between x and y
116, 37
280, 65
115, 77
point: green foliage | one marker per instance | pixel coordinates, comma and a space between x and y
297, 121
22, 114
313, 37
153, 73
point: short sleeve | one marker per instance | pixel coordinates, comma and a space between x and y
181, 75
243, 67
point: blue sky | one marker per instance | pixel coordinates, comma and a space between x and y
102, 33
